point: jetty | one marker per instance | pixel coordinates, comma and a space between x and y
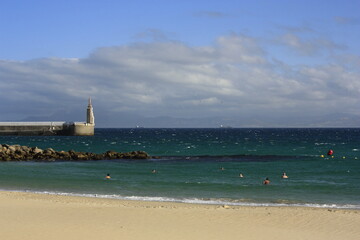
52, 128
25, 153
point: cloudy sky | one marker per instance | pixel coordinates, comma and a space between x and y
281, 63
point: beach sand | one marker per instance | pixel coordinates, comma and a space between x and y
51, 217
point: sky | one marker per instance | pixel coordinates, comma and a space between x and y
182, 63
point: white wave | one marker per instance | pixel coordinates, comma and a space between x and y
325, 143
194, 200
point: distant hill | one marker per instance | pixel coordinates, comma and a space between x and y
130, 120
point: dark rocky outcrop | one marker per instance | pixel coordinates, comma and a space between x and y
25, 153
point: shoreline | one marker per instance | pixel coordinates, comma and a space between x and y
195, 201
45, 216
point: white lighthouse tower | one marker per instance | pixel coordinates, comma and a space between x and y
90, 119
85, 128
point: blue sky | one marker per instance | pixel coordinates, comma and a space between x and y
182, 63
37, 29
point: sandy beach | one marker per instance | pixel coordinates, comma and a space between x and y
41, 216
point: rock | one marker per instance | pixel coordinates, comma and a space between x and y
110, 154
17, 147
72, 153
49, 151
36, 150
12, 148
25, 153
25, 148
19, 151
95, 156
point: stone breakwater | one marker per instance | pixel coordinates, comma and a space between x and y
25, 153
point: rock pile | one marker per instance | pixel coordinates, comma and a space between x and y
25, 153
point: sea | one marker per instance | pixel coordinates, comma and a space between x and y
200, 166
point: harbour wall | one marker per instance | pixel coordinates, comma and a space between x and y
47, 128
81, 129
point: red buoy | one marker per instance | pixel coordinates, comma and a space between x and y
330, 152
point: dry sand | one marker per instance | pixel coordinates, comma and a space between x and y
28, 216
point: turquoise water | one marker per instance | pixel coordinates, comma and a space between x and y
189, 167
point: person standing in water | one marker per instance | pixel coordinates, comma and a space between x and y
266, 181
284, 175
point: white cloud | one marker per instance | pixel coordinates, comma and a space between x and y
308, 46
346, 20
204, 102
240, 49
230, 78
211, 14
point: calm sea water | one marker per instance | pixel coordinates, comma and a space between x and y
189, 169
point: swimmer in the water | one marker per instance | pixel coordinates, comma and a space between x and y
107, 176
266, 181
153, 171
241, 175
284, 175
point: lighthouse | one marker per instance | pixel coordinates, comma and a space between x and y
84, 128
52, 128
90, 119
